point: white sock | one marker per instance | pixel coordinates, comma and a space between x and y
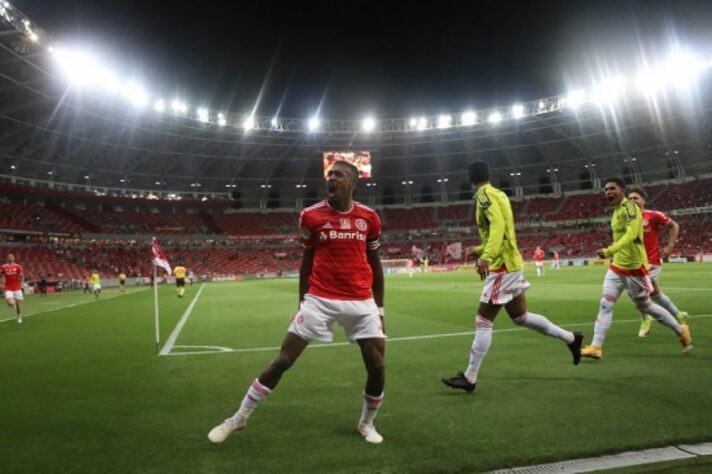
480, 346
663, 317
538, 271
663, 300
370, 408
255, 394
542, 325
603, 322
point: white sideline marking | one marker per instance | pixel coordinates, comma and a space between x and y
222, 350
179, 327
92, 300
611, 461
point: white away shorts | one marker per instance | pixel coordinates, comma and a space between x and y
636, 286
539, 264
316, 317
96, 287
654, 272
503, 287
14, 295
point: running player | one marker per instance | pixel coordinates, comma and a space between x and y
500, 266
95, 281
191, 277
653, 221
87, 281
12, 274
628, 272
179, 271
555, 260
122, 281
539, 261
340, 280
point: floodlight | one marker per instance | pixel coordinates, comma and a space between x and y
203, 114
422, 123
682, 69
469, 118
494, 118
249, 123
221, 120
444, 121
313, 124
159, 106
518, 111
368, 124
575, 98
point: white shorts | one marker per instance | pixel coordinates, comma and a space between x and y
96, 287
316, 317
14, 295
503, 287
654, 272
636, 286
539, 264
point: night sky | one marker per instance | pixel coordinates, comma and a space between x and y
357, 58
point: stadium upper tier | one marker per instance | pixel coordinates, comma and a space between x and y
84, 133
38, 211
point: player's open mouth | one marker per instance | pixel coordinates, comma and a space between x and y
331, 188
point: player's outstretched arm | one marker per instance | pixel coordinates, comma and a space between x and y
305, 272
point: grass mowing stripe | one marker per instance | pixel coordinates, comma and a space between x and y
179, 327
72, 305
225, 350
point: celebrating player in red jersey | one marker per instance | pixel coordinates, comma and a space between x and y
539, 261
13, 284
340, 281
653, 221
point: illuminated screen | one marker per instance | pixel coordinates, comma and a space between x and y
360, 159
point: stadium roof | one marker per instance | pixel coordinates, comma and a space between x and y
58, 122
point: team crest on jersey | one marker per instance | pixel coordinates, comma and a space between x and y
361, 225
345, 224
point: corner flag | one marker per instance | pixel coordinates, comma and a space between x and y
159, 258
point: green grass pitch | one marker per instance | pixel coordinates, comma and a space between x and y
83, 389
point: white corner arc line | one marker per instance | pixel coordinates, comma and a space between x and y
179, 327
224, 350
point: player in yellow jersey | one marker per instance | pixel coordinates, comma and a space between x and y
95, 281
179, 271
500, 265
628, 271
122, 281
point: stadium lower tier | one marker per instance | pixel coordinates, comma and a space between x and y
68, 259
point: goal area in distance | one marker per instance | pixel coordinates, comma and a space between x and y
398, 265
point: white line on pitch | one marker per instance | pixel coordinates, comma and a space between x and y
224, 350
179, 327
72, 305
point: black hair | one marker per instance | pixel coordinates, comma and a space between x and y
639, 191
478, 172
616, 180
352, 168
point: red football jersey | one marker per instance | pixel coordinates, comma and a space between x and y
652, 222
12, 272
556, 256
539, 255
340, 240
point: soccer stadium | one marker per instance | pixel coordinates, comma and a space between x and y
162, 242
